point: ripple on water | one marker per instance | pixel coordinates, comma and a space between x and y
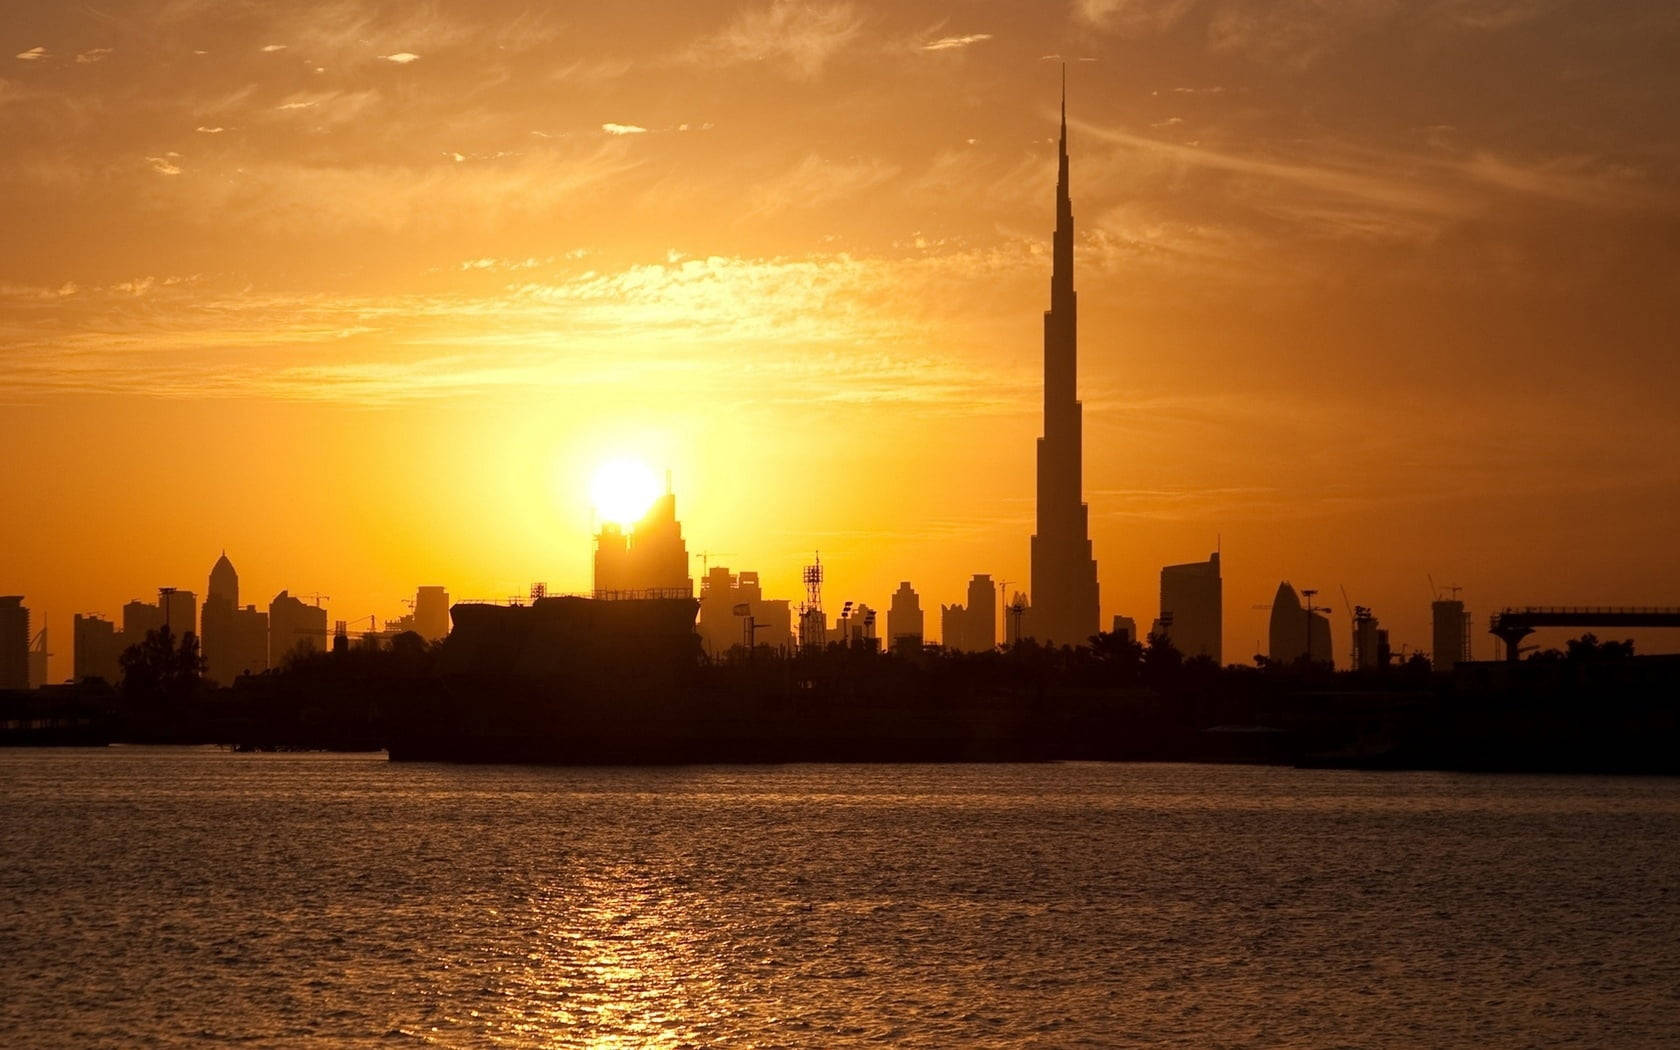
189, 897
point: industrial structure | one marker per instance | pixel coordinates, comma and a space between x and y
1511, 626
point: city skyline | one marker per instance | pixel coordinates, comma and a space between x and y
1316, 304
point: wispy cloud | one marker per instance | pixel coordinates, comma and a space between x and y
799, 35
950, 43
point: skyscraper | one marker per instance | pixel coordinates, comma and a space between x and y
652, 560
1064, 574
1295, 634
431, 613
980, 628
14, 642
216, 620
95, 648
1192, 608
904, 618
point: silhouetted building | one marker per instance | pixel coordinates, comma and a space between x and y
292, 627
39, 654
904, 618
1296, 634
1451, 636
952, 619
1370, 642
250, 641
1015, 618
14, 642
650, 561
722, 626
1193, 609
1125, 628
221, 601
180, 611
96, 648
980, 625
138, 619
1064, 573
431, 613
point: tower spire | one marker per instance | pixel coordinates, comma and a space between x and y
1064, 575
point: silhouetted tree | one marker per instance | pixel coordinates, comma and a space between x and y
1161, 660
1588, 649
159, 668
1118, 658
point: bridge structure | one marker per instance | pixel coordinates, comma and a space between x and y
1513, 625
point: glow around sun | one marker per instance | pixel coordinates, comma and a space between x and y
623, 490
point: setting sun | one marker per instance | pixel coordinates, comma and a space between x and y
622, 491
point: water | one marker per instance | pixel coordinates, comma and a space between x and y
171, 898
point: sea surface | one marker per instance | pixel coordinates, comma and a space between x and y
199, 898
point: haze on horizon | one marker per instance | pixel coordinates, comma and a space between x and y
363, 293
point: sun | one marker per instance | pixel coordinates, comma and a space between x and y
623, 490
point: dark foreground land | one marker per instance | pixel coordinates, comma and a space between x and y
857, 705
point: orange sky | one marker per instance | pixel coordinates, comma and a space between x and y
363, 292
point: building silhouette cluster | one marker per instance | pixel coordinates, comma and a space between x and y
233, 639
650, 559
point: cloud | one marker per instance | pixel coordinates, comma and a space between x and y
804, 36
817, 181
33, 54
948, 43
165, 165
623, 129
92, 55
401, 58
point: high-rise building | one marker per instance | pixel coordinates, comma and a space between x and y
1064, 573
221, 601
650, 561
293, 627
96, 649
722, 626
431, 613
14, 642
980, 624
250, 641
952, 619
1370, 642
38, 656
138, 619
1297, 635
180, 611
1451, 636
904, 618
1192, 608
